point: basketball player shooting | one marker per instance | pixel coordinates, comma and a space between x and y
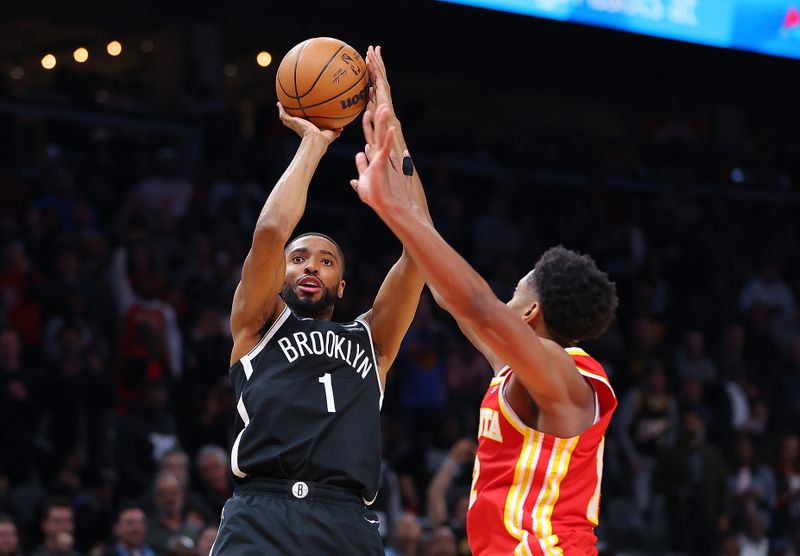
306, 458
538, 468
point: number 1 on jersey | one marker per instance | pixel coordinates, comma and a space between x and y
326, 381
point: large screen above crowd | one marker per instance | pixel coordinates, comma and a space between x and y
764, 26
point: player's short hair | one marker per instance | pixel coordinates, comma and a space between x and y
324, 236
577, 300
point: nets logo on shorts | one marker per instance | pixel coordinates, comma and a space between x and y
300, 489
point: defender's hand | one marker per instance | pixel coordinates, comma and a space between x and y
380, 185
380, 92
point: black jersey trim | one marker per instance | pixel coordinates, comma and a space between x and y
375, 359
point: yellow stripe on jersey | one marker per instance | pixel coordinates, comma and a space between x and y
576, 351
523, 548
543, 510
523, 476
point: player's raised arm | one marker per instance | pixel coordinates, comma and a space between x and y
398, 296
404, 273
256, 302
546, 371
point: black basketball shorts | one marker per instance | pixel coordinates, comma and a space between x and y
296, 518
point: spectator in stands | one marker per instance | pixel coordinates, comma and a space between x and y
143, 437
130, 531
767, 289
691, 360
213, 470
441, 542
787, 477
205, 540
170, 517
58, 527
406, 536
447, 498
753, 540
151, 344
164, 196
646, 424
9, 540
694, 482
752, 485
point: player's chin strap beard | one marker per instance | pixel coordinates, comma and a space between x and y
308, 307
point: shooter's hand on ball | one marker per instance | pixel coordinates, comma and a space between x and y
303, 127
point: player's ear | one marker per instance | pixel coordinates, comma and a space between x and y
532, 312
340, 291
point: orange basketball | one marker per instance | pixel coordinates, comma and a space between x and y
323, 80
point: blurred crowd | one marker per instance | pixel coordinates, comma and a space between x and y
119, 256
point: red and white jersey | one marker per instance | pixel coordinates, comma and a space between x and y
534, 493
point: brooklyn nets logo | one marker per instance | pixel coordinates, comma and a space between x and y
300, 489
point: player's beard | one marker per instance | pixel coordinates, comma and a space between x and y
306, 306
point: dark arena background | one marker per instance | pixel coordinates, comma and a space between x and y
129, 188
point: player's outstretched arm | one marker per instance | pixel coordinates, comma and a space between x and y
398, 296
256, 301
538, 363
380, 93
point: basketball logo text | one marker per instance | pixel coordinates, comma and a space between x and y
347, 59
355, 99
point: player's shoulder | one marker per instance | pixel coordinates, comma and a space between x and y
584, 361
353, 326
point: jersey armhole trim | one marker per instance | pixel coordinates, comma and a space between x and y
516, 422
270, 333
589, 374
375, 359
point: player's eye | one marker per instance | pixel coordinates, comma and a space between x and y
297, 259
327, 262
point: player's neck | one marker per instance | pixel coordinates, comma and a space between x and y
324, 314
541, 330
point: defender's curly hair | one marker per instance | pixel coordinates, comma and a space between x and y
578, 301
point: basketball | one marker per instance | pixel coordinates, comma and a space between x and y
323, 80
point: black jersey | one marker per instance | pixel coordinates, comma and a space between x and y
309, 399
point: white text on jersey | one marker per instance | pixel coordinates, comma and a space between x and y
331, 344
490, 424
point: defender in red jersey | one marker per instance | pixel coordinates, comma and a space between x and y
537, 474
